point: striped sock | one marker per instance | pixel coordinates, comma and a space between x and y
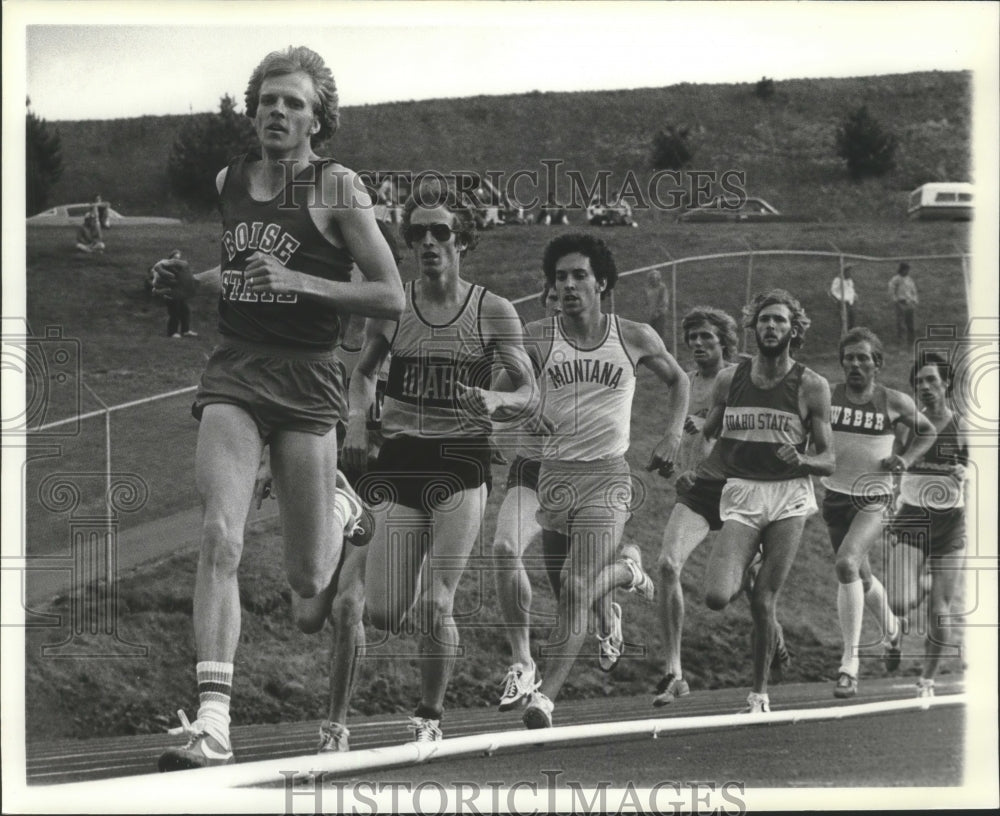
215, 687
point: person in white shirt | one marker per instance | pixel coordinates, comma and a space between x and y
842, 291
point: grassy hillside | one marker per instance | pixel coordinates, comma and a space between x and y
785, 144
100, 302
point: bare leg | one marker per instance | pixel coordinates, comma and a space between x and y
945, 575
348, 631
594, 534
455, 531
685, 530
516, 529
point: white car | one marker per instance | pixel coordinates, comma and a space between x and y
71, 215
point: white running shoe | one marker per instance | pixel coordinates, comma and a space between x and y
925, 687
611, 645
757, 704
538, 713
426, 730
517, 685
333, 738
202, 749
642, 584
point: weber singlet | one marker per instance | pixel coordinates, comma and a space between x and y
283, 228
862, 437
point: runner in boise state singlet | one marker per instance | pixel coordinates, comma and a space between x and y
283, 228
758, 421
427, 361
587, 396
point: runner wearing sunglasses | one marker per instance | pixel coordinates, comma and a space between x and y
433, 470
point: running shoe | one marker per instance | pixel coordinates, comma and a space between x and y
669, 688
847, 686
333, 738
757, 704
517, 685
202, 750
894, 648
925, 688
361, 525
426, 730
641, 584
538, 713
611, 646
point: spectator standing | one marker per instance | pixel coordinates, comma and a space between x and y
178, 309
658, 299
903, 291
842, 291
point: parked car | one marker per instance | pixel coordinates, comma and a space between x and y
71, 215
751, 210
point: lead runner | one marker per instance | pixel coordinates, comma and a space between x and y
293, 225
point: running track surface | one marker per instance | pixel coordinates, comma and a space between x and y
910, 748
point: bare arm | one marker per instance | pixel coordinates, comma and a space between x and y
814, 400
921, 436
501, 329
343, 212
717, 409
361, 394
648, 350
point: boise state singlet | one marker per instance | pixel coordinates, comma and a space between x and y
757, 422
862, 437
283, 228
929, 481
587, 396
427, 361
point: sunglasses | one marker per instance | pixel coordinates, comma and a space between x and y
416, 232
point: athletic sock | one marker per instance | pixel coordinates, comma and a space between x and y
215, 687
850, 608
878, 605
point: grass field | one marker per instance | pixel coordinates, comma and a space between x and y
280, 674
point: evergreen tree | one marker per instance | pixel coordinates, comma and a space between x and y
44, 162
206, 144
866, 148
671, 150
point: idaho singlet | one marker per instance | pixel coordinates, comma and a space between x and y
283, 228
862, 438
587, 396
427, 361
929, 481
757, 422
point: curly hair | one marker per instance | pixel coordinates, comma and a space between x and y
724, 325
299, 59
434, 192
602, 262
940, 362
800, 321
860, 334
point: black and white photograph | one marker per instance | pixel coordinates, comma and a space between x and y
479, 407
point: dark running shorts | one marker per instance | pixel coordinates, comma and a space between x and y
703, 498
425, 473
839, 510
524, 473
281, 389
935, 532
